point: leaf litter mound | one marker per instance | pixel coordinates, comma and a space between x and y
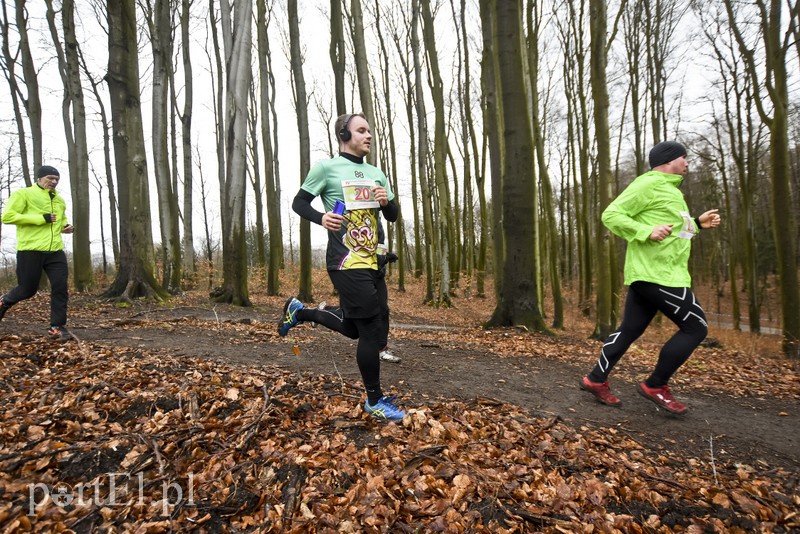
98, 438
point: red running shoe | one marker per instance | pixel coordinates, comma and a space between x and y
662, 398
601, 391
3, 307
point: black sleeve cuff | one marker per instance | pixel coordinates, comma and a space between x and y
302, 206
47, 217
390, 211
697, 222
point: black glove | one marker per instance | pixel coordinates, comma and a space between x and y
383, 259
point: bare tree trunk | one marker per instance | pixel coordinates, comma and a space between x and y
553, 252
337, 55
236, 36
160, 24
392, 150
136, 274
208, 249
573, 41
103, 254
33, 106
632, 35
276, 225
270, 178
604, 323
77, 147
409, 90
362, 72
301, 106
470, 142
455, 246
732, 245
188, 255
661, 19
422, 158
219, 93
736, 127
255, 182
517, 304
493, 120
445, 214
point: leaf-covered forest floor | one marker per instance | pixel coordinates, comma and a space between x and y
191, 416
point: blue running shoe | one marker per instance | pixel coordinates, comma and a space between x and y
384, 409
289, 317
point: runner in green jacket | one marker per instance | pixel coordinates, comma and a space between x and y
652, 216
39, 214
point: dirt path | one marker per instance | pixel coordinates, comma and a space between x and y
761, 433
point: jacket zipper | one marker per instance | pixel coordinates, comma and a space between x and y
52, 226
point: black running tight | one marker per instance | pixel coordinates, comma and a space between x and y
644, 300
30, 265
371, 335
332, 317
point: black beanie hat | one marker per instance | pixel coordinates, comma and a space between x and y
46, 170
664, 152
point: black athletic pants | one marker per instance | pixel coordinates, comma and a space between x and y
363, 315
644, 300
332, 317
30, 264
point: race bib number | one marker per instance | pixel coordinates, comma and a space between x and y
687, 230
358, 194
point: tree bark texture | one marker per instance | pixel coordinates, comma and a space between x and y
301, 105
517, 304
237, 39
136, 274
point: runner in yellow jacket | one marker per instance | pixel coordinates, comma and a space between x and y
39, 213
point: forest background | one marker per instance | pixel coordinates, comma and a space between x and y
506, 127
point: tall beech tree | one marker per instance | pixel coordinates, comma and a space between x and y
237, 40
518, 300
136, 272
425, 192
159, 21
269, 140
73, 114
186, 115
604, 322
305, 291
534, 18
444, 231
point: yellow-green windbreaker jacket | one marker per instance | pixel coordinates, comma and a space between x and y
650, 200
26, 209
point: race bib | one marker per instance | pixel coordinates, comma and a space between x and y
358, 194
687, 230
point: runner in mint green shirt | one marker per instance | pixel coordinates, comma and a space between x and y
652, 216
362, 191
